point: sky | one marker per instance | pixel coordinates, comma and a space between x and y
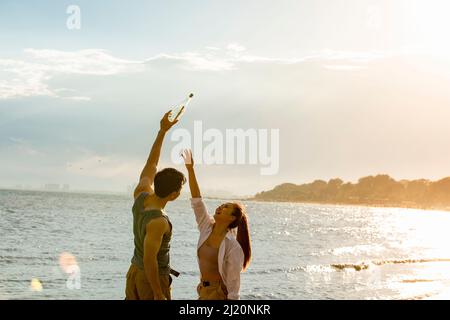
356, 88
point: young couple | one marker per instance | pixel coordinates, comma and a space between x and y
224, 247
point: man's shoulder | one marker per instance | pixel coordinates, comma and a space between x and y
158, 223
144, 196
144, 186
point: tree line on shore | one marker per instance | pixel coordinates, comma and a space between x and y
371, 190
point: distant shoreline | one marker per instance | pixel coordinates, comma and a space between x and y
183, 196
254, 199
91, 192
370, 191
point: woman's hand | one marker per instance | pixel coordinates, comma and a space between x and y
186, 154
166, 124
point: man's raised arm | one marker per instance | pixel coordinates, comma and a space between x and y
148, 173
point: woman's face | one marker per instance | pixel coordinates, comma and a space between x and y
224, 213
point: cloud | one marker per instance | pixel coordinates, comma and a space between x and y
78, 98
22, 147
30, 77
85, 62
229, 58
23, 79
194, 61
343, 67
214, 59
350, 56
236, 47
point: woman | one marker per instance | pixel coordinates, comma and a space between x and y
224, 247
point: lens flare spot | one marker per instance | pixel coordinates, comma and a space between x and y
67, 262
36, 285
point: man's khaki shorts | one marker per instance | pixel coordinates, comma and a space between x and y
138, 287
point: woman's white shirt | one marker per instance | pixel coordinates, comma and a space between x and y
231, 255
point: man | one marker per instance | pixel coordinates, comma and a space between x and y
149, 275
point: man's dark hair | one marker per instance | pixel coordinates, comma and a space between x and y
167, 181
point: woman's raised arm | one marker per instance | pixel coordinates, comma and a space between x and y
201, 213
193, 184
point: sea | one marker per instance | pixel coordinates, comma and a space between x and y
79, 246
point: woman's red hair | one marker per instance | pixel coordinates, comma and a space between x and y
243, 233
